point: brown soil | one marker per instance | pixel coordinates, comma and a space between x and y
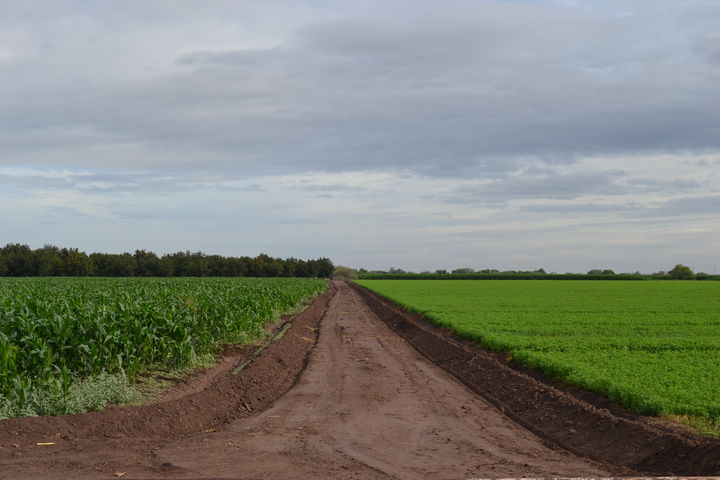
349, 398
204, 378
230, 358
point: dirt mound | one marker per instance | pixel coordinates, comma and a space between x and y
566, 418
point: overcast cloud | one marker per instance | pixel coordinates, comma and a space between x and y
416, 134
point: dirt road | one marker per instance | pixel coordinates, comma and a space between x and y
366, 406
369, 406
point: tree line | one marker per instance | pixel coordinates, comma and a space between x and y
18, 260
679, 272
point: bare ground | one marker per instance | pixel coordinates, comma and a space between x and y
343, 398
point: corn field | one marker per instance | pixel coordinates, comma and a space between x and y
56, 333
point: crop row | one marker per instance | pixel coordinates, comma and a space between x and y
57, 332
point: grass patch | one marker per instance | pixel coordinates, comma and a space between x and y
88, 394
699, 425
159, 379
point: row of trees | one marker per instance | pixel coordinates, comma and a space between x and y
679, 272
457, 271
19, 260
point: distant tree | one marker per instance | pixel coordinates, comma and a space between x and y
76, 263
101, 264
301, 269
441, 271
396, 270
113, 264
681, 272
261, 265
463, 270
119, 265
311, 269
321, 267
275, 268
18, 259
344, 273
188, 264
147, 264
166, 267
237, 267
197, 265
218, 266
47, 261
125, 265
267, 266
597, 271
326, 267
289, 266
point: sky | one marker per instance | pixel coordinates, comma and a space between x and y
415, 134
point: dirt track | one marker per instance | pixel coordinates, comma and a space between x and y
366, 406
369, 406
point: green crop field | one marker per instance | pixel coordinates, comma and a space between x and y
652, 346
71, 344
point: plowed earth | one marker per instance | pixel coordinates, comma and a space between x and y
355, 396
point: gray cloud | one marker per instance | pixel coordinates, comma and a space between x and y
654, 184
232, 117
540, 185
328, 188
696, 205
249, 58
451, 90
685, 207
124, 183
584, 208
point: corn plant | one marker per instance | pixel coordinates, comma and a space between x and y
55, 332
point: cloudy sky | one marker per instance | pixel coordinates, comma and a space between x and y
417, 134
